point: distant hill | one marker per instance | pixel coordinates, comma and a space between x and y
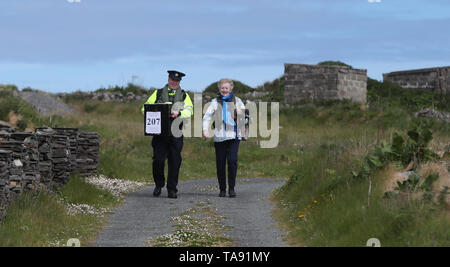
239, 88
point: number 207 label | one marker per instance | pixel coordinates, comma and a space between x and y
153, 122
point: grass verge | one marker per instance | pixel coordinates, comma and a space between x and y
50, 219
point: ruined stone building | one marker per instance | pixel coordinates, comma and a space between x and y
433, 79
304, 81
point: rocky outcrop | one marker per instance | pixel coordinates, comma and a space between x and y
107, 96
117, 97
431, 113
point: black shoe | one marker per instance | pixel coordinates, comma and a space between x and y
157, 191
231, 193
222, 193
171, 194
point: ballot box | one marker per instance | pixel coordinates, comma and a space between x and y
157, 119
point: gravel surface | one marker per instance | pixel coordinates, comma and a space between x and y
247, 217
45, 104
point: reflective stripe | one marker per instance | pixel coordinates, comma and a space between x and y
150, 100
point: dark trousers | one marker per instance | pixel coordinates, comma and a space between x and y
167, 147
226, 152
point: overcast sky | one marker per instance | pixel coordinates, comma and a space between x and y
65, 45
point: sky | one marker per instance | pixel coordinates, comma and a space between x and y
69, 45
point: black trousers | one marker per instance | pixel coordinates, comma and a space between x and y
226, 152
167, 147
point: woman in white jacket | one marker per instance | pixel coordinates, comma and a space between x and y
224, 110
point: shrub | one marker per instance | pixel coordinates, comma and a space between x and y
89, 107
22, 124
387, 95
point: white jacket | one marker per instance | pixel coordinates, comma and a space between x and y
227, 132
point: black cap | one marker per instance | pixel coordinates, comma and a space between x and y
175, 75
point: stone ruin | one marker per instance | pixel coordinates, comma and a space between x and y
323, 82
43, 159
432, 79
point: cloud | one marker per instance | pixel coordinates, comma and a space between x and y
121, 38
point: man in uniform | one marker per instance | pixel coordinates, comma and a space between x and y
169, 146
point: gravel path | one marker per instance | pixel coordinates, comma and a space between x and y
247, 217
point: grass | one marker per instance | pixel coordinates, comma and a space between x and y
126, 153
42, 220
345, 217
322, 205
319, 146
321, 143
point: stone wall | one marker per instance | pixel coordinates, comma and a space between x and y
324, 82
40, 160
5, 159
433, 79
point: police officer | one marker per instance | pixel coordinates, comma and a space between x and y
169, 146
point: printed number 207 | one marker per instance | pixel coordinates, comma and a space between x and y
153, 121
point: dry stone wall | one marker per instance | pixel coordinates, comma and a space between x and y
43, 159
5, 159
87, 153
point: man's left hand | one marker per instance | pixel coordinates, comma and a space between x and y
174, 114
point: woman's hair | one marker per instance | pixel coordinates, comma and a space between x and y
225, 80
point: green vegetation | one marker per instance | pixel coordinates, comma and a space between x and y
386, 95
337, 194
333, 63
239, 88
413, 152
325, 204
130, 88
200, 226
338, 158
275, 90
323, 146
12, 106
44, 219
8, 87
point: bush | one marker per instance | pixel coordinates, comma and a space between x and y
275, 90
22, 124
89, 107
29, 89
